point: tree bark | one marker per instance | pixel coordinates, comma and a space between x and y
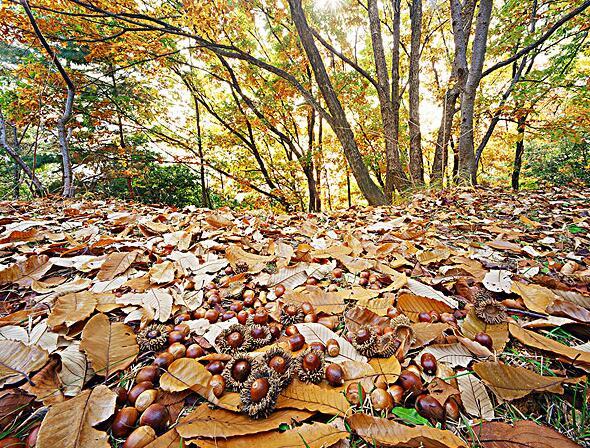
338, 122
468, 95
416, 163
204, 194
68, 186
395, 177
36, 185
519, 151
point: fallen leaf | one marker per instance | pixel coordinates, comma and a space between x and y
314, 332
75, 370
310, 397
116, 264
498, 281
185, 373
411, 305
523, 434
72, 308
475, 397
18, 360
498, 332
536, 298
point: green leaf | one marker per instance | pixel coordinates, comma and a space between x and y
409, 415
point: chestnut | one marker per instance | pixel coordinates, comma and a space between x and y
241, 370
397, 393
278, 364
124, 422
145, 399
121, 395
235, 339
279, 290
381, 400
217, 385
149, 373
318, 346
260, 316
424, 317
194, 351
177, 350
355, 393
243, 317
428, 363
140, 437
429, 407
291, 330
296, 342
138, 389
311, 361
484, 339
410, 381
337, 273
275, 331
363, 335
175, 336
332, 347
156, 416
259, 389
307, 308
452, 409
335, 375
215, 367
310, 318
181, 318
164, 359
212, 316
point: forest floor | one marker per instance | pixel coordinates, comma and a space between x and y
458, 319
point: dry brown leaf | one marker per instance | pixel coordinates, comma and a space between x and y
498, 280
390, 368
18, 359
169, 439
411, 305
75, 369
474, 397
185, 373
72, 308
564, 308
116, 264
382, 432
453, 354
536, 298
425, 332
523, 434
24, 273
219, 423
315, 435
422, 290
71, 424
110, 347
310, 397
505, 245
498, 332
576, 357
314, 332
46, 384
256, 263
510, 383
362, 372
379, 306
357, 317
162, 272
322, 301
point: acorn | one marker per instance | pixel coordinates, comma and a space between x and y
291, 314
177, 350
296, 342
397, 393
410, 381
484, 339
215, 367
163, 360
428, 363
233, 339
259, 335
156, 416
140, 437
137, 390
145, 399
332, 348
217, 385
259, 394
153, 337
148, 373
334, 375
429, 407
381, 400
124, 422
281, 362
365, 341
194, 351
310, 366
238, 370
355, 393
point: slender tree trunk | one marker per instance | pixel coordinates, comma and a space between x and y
36, 185
122, 142
519, 151
204, 196
68, 186
416, 163
395, 177
468, 95
16, 170
338, 121
395, 74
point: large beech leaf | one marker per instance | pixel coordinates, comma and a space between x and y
412, 305
314, 332
18, 360
327, 302
71, 424
24, 273
357, 317
316, 435
576, 357
453, 354
75, 369
536, 298
45, 384
523, 434
256, 263
475, 397
390, 368
110, 347
299, 395
72, 308
510, 383
498, 332
420, 289
169, 439
183, 374
116, 264
383, 432
215, 423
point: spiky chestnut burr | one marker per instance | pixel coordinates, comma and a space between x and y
259, 336
401, 323
310, 366
282, 363
365, 341
291, 314
387, 345
238, 370
489, 309
234, 339
259, 394
241, 267
153, 337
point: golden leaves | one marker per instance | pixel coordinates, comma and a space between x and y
523, 434
110, 347
24, 273
116, 264
71, 424
310, 397
185, 373
510, 383
17, 360
498, 332
411, 305
536, 298
255, 263
72, 308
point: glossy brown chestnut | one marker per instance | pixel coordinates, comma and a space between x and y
142, 436
241, 370
310, 318
178, 350
259, 389
156, 416
215, 367
484, 339
307, 308
175, 336
335, 375
279, 290
410, 381
311, 361
145, 399
296, 342
138, 389
260, 317
355, 393
332, 347
337, 273
163, 360
278, 364
243, 317
428, 363
291, 330
121, 395
235, 339
217, 385
318, 346
381, 400
429, 407
124, 422
424, 317
452, 410
212, 315
397, 393
363, 335
194, 351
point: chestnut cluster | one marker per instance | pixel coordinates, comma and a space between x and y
374, 280
375, 341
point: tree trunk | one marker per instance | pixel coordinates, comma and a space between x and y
204, 194
519, 151
416, 163
478, 52
338, 121
308, 166
395, 177
36, 185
